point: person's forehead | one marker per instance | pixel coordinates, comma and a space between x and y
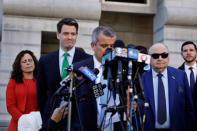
159, 49
189, 46
103, 37
66, 27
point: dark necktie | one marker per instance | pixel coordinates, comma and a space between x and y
161, 114
192, 80
65, 64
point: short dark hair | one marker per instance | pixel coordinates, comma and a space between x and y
142, 49
187, 43
17, 73
67, 21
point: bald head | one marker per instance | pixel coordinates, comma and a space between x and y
157, 46
159, 57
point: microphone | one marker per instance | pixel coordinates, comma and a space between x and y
89, 75
63, 84
144, 58
129, 75
119, 43
84, 71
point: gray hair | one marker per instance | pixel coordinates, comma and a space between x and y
107, 31
150, 51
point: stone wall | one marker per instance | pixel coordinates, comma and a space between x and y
175, 23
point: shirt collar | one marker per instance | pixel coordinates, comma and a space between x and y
97, 64
164, 73
193, 66
70, 52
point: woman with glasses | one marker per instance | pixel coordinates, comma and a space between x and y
21, 97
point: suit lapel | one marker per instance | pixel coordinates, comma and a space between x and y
56, 65
171, 89
150, 90
76, 57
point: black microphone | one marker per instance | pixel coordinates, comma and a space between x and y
80, 72
63, 84
119, 43
106, 62
87, 77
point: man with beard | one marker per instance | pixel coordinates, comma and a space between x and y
189, 53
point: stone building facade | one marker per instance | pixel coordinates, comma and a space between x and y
28, 24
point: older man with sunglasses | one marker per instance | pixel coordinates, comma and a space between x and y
167, 93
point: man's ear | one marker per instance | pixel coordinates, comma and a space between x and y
58, 35
92, 45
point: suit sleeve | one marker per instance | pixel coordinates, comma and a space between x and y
11, 100
189, 105
41, 86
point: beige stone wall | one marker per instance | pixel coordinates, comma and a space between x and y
181, 26
22, 33
131, 28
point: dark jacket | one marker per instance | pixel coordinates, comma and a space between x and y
180, 101
48, 81
194, 96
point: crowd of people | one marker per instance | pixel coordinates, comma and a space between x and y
170, 93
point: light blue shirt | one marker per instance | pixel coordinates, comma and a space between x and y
155, 89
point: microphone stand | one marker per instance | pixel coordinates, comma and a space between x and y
70, 102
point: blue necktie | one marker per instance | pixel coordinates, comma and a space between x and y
161, 113
192, 80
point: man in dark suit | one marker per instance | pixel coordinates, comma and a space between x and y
51, 67
189, 53
90, 109
167, 94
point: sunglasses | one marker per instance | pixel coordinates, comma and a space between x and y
156, 56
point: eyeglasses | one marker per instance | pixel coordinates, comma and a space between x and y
163, 55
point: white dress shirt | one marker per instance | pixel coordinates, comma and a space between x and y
115, 117
70, 57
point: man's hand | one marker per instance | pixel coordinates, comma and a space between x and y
60, 113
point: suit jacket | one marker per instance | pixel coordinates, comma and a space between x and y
194, 96
48, 81
87, 106
180, 101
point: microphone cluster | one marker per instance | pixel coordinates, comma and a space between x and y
86, 73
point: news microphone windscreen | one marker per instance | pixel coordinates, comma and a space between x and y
108, 50
119, 43
130, 46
